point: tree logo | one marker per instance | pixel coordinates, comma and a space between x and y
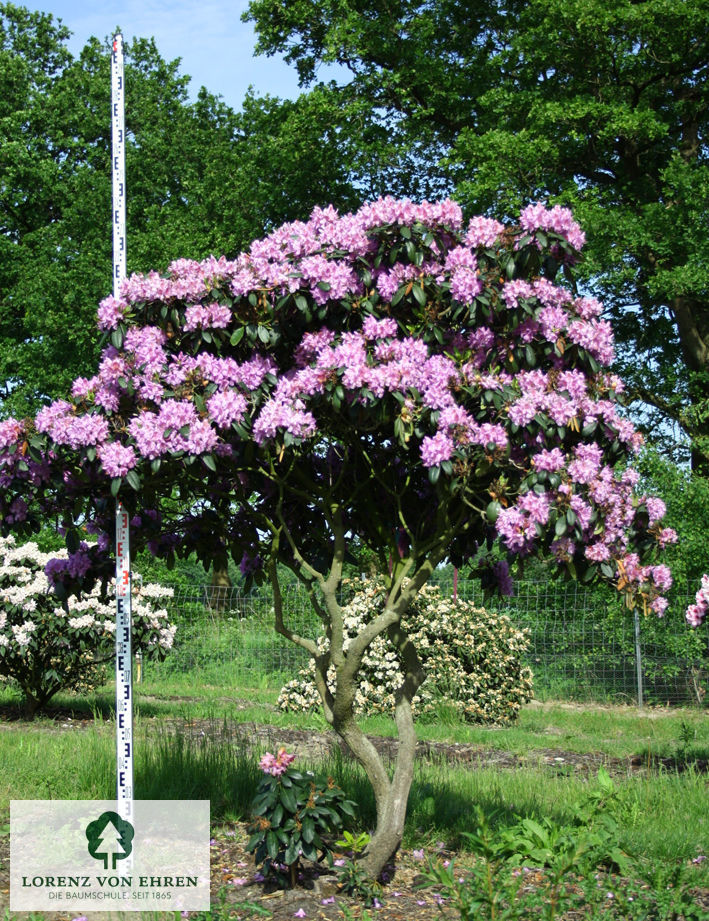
110, 838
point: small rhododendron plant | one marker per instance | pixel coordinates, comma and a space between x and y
430, 385
293, 814
45, 646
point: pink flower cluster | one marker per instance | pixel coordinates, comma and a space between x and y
697, 612
276, 764
211, 316
110, 312
557, 219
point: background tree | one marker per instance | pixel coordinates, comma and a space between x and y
601, 106
393, 374
201, 179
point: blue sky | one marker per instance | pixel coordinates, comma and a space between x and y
215, 46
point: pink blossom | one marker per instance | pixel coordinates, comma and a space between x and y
596, 336
550, 461
465, 285
557, 219
656, 509
111, 311
10, 432
436, 449
667, 536
379, 329
117, 459
276, 764
212, 316
226, 407
512, 291
597, 553
483, 231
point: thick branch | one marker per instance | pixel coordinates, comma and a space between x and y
281, 628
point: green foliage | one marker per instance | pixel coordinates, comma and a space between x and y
353, 879
585, 851
293, 813
472, 658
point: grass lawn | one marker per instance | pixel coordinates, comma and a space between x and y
193, 740
663, 811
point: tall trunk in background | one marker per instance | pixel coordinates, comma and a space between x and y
219, 589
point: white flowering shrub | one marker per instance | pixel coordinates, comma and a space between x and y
472, 658
45, 648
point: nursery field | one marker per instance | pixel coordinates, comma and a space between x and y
537, 785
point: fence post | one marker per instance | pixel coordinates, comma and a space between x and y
638, 658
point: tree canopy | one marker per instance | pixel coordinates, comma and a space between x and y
599, 106
399, 374
201, 179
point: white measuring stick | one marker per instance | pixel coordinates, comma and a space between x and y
124, 689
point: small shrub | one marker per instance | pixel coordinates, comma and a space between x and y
45, 647
472, 658
292, 812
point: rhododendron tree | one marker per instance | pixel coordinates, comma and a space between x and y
47, 647
397, 374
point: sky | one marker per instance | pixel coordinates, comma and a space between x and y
215, 46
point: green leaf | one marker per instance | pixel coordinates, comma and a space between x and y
419, 295
133, 479
292, 851
209, 462
237, 336
272, 845
288, 799
116, 484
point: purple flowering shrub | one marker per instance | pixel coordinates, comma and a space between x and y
46, 647
397, 351
433, 386
471, 656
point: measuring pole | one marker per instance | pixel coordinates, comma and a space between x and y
124, 690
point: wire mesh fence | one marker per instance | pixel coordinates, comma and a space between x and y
583, 645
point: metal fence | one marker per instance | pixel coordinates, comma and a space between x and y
583, 645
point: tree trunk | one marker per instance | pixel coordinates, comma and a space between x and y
219, 588
30, 706
391, 794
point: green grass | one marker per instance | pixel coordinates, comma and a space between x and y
663, 816
617, 732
